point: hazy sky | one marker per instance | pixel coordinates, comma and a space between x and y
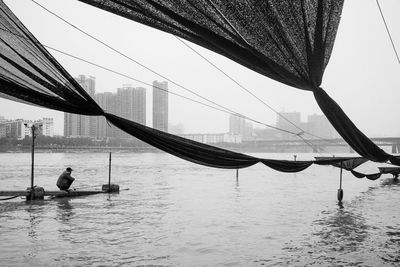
363, 75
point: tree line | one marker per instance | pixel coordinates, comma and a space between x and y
60, 141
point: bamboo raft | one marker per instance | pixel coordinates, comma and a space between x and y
26, 193
39, 192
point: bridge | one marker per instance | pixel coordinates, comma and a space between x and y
316, 145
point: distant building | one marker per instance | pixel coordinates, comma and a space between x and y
128, 103
236, 124
2, 130
2, 127
176, 128
131, 105
103, 100
12, 129
108, 102
239, 126
320, 126
287, 120
48, 127
214, 138
18, 129
78, 125
160, 106
139, 105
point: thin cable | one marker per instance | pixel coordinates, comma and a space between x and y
387, 30
236, 82
129, 58
164, 77
316, 147
156, 87
176, 94
173, 82
251, 93
307, 142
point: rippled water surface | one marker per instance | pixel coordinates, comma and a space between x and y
174, 213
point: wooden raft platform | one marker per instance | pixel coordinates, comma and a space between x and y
77, 193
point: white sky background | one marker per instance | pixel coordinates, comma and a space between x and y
362, 75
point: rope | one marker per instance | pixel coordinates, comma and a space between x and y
222, 108
387, 30
156, 87
185, 88
252, 94
128, 57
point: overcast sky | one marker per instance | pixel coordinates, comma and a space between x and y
363, 75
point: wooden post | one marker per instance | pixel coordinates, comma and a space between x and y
109, 174
32, 195
237, 176
110, 188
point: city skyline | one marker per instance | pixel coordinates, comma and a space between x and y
354, 80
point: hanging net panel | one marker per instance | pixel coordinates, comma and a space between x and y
289, 41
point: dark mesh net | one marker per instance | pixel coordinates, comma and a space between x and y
28, 73
289, 41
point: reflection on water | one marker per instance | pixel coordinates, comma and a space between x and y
390, 182
357, 233
337, 237
342, 230
64, 210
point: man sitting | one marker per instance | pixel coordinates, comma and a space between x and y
65, 180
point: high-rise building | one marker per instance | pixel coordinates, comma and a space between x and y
19, 128
72, 125
128, 103
285, 120
139, 105
131, 104
101, 123
236, 124
48, 126
288, 121
320, 126
160, 105
239, 126
79, 125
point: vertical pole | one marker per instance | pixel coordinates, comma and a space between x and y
109, 174
237, 176
33, 160
340, 190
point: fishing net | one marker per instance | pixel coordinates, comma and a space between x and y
289, 41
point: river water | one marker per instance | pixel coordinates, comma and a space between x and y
170, 212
